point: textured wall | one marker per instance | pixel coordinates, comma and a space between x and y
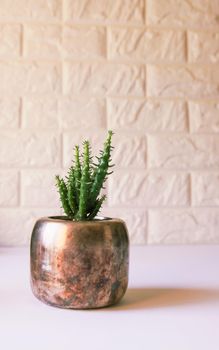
71, 69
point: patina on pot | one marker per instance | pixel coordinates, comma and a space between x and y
79, 264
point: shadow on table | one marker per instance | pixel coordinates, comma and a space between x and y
147, 298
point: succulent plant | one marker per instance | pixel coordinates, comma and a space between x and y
80, 191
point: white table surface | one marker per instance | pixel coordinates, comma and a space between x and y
172, 304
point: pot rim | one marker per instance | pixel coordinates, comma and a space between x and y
63, 219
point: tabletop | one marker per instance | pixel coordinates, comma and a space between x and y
172, 303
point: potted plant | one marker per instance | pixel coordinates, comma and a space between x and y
79, 260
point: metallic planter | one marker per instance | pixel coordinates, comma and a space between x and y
79, 265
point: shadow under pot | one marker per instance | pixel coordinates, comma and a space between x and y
79, 264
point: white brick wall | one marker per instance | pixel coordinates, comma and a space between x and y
148, 69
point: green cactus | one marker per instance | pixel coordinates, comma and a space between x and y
80, 192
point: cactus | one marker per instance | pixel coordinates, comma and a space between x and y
80, 192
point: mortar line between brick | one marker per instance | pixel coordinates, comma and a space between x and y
135, 98
124, 169
130, 25
57, 60
163, 208
128, 209
126, 97
188, 119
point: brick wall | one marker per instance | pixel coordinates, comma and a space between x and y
71, 69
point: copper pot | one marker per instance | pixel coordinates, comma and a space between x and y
79, 264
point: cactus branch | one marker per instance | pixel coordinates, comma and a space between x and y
102, 168
77, 174
72, 201
63, 193
97, 207
85, 183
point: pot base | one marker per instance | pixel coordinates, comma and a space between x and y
62, 306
